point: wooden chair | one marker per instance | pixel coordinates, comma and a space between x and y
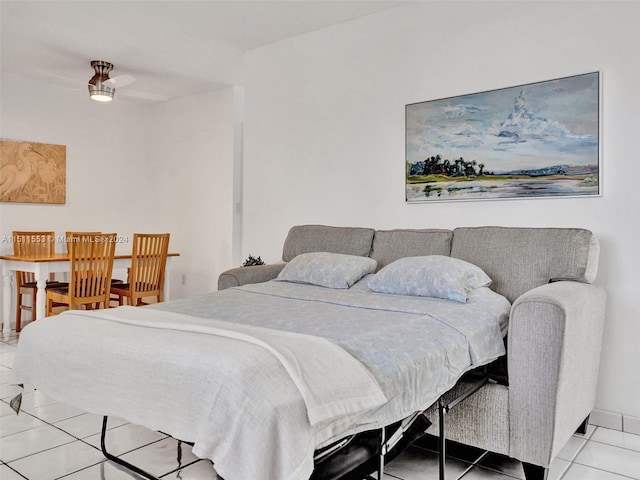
69, 235
30, 244
91, 258
146, 275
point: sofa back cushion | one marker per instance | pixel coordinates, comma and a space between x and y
519, 259
390, 245
323, 238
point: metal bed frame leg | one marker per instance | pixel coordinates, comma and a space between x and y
117, 460
382, 452
442, 409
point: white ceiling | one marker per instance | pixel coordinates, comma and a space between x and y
173, 48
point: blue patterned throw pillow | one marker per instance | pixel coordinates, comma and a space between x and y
333, 270
436, 276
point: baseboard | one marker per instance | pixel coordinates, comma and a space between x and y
615, 421
631, 424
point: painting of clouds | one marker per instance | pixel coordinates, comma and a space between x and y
535, 140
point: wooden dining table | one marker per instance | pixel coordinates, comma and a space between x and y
42, 267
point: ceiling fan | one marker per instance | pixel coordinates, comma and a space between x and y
102, 87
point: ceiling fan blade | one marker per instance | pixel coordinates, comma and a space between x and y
119, 81
154, 97
60, 79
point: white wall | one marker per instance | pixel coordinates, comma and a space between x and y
106, 148
324, 133
191, 152
133, 167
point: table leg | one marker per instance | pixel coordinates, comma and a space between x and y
166, 288
41, 274
41, 299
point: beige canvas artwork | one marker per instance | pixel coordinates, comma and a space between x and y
32, 172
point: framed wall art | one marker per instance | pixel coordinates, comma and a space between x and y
32, 172
534, 140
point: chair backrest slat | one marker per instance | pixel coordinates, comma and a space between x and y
32, 244
149, 257
91, 267
68, 236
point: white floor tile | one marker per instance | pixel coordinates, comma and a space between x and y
31, 441
418, 464
161, 457
126, 438
6, 347
54, 412
11, 338
57, 462
203, 470
557, 468
5, 377
87, 424
18, 423
479, 473
7, 358
8, 391
104, 471
590, 430
502, 464
612, 459
7, 474
582, 472
617, 438
5, 410
571, 448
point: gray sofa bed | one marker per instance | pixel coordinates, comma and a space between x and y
555, 326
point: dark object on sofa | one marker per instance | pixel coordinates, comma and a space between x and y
252, 261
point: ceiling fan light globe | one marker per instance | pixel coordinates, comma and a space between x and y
101, 98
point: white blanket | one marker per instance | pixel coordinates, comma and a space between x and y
308, 359
195, 396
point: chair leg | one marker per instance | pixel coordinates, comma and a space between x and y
18, 310
49, 307
534, 472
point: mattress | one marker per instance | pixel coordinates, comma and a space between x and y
235, 400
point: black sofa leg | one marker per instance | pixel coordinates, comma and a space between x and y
534, 472
582, 429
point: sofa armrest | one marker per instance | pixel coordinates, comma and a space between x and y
244, 275
555, 336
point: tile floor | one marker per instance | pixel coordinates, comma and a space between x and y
51, 440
